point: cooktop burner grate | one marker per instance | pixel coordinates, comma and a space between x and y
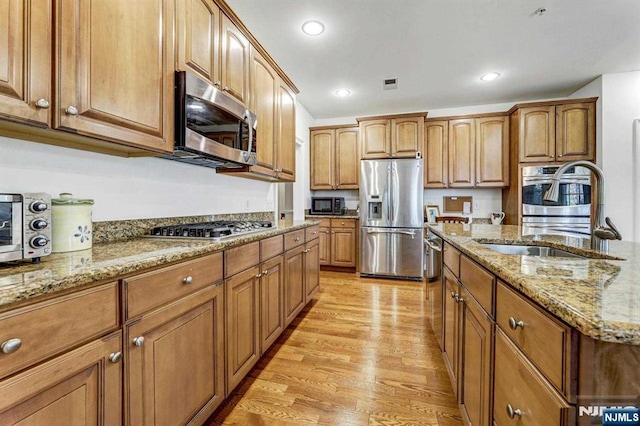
216, 230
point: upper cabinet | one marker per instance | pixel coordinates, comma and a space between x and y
114, 71
555, 132
25, 70
334, 157
467, 152
235, 61
286, 133
396, 136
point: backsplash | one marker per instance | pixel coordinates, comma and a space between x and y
120, 230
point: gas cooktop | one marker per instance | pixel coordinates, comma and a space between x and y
217, 230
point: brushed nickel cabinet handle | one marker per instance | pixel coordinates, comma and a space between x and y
115, 357
71, 110
265, 272
513, 324
42, 103
296, 239
10, 346
513, 413
138, 341
187, 279
226, 88
258, 276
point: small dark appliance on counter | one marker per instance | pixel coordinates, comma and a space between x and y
216, 230
328, 206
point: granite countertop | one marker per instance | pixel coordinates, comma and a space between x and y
25, 282
332, 216
599, 297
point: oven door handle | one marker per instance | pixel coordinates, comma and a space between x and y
433, 246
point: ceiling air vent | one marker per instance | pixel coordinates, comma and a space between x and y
390, 83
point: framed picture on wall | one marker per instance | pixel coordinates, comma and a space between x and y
431, 212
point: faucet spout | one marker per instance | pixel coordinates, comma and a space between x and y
601, 232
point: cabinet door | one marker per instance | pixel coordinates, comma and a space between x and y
115, 71
476, 340
537, 135
243, 333
325, 246
435, 154
321, 158
576, 132
25, 61
81, 387
407, 136
347, 159
235, 61
492, 151
286, 134
343, 247
462, 139
450, 325
175, 368
264, 84
311, 269
197, 38
271, 294
293, 283
375, 139
434, 294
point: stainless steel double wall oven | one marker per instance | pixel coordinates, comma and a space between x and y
571, 215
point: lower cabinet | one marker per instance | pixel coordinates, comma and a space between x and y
271, 306
175, 361
293, 283
311, 269
451, 326
476, 336
338, 242
83, 386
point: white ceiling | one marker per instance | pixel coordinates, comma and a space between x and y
438, 49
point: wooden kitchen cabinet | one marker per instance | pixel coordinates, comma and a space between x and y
436, 143
271, 297
492, 151
235, 59
106, 51
451, 327
338, 242
311, 269
285, 133
25, 86
334, 158
462, 142
83, 386
324, 242
555, 131
395, 136
294, 293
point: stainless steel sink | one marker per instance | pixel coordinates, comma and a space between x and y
539, 251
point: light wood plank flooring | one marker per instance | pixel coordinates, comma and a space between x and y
362, 354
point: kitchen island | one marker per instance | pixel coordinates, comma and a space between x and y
553, 338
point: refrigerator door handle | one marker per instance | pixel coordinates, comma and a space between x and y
388, 192
390, 231
392, 195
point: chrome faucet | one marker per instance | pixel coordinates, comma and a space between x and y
601, 232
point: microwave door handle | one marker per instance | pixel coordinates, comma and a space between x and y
247, 116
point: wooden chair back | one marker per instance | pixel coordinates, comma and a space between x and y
452, 219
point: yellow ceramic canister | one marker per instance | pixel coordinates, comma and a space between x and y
72, 226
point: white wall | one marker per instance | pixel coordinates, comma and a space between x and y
618, 109
128, 188
301, 199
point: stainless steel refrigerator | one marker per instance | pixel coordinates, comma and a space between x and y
391, 218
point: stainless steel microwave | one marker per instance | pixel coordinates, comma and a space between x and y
212, 129
327, 205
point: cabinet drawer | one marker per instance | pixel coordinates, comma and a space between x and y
240, 258
311, 233
520, 386
343, 223
545, 340
148, 291
270, 247
293, 239
451, 258
325, 223
479, 282
52, 326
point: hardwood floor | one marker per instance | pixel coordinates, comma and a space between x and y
363, 353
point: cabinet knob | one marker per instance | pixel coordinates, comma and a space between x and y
42, 103
513, 324
258, 276
460, 299
138, 341
115, 357
226, 88
71, 110
265, 272
513, 413
296, 239
187, 279
453, 295
217, 83
10, 346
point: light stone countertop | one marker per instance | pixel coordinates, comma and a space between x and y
24, 283
599, 297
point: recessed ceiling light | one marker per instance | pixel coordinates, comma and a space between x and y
490, 77
312, 28
343, 92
